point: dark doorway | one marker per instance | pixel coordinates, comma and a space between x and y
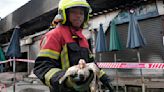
133, 88
155, 90
22, 66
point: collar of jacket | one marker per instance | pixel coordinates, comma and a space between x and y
68, 36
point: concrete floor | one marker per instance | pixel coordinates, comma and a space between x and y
23, 83
24, 86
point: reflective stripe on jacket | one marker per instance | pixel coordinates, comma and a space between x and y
60, 49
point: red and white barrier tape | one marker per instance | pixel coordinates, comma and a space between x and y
132, 65
3, 87
110, 65
22, 60
1, 62
26, 60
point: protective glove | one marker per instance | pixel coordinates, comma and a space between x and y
78, 83
107, 82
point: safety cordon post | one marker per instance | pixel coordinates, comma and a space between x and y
122, 65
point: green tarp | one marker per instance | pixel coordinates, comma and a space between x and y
2, 58
115, 43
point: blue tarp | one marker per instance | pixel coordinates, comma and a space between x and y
14, 46
135, 38
101, 41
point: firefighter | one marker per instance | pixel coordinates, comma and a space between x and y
64, 46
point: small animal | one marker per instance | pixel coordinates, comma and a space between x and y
82, 69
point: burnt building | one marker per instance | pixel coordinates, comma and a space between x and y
34, 19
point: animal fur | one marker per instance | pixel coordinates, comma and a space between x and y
83, 69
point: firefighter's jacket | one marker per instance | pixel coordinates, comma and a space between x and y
61, 48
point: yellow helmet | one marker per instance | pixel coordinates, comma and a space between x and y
65, 4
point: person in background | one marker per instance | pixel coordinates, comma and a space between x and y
63, 46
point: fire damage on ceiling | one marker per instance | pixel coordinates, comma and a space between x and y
43, 21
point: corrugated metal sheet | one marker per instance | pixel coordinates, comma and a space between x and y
152, 52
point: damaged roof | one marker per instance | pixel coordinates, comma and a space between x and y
36, 15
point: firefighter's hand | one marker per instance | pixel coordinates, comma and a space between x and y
78, 83
107, 82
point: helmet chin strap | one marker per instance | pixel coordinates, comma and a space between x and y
73, 27
76, 28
